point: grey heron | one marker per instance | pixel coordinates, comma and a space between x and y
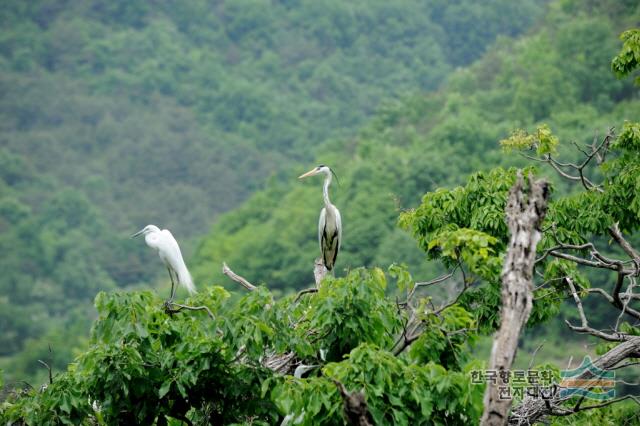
169, 251
330, 224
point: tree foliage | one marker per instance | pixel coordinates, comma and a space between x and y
264, 358
557, 78
117, 115
143, 364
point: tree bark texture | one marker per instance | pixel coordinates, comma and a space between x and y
525, 213
319, 271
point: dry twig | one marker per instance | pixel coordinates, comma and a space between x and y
237, 278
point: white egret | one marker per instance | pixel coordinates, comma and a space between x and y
169, 251
330, 224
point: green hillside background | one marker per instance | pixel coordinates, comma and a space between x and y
198, 117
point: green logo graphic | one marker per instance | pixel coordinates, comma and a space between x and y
589, 381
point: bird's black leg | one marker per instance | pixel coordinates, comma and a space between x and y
172, 285
174, 288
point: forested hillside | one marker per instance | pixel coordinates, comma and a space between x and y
353, 351
559, 76
200, 116
116, 114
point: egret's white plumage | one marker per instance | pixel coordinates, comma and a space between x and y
169, 251
330, 223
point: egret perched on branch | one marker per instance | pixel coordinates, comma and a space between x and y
169, 252
330, 224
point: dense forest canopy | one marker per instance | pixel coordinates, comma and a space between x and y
348, 353
560, 76
117, 114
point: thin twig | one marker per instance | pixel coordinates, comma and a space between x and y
237, 278
48, 367
616, 234
431, 282
629, 364
303, 292
565, 412
534, 355
626, 302
584, 328
190, 308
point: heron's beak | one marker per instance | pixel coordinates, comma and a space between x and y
309, 173
137, 233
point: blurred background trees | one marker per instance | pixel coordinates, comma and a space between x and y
114, 115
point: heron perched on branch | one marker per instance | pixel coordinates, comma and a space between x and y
169, 251
330, 224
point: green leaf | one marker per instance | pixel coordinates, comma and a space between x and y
164, 389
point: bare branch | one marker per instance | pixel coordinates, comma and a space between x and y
169, 308
577, 408
622, 306
237, 278
431, 282
584, 328
579, 168
601, 292
303, 292
533, 356
632, 296
616, 290
533, 410
629, 364
587, 262
48, 367
454, 301
625, 304
615, 233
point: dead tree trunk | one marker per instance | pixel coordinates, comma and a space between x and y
524, 216
319, 271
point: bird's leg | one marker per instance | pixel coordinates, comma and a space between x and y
174, 288
172, 285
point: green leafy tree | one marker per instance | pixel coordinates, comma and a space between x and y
174, 113
303, 357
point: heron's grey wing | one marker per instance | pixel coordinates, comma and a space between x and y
321, 224
330, 237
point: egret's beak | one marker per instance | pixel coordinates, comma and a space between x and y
137, 233
309, 173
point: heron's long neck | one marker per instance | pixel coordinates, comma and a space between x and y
325, 190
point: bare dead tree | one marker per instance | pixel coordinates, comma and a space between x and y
535, 409
319, 271
525, 213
